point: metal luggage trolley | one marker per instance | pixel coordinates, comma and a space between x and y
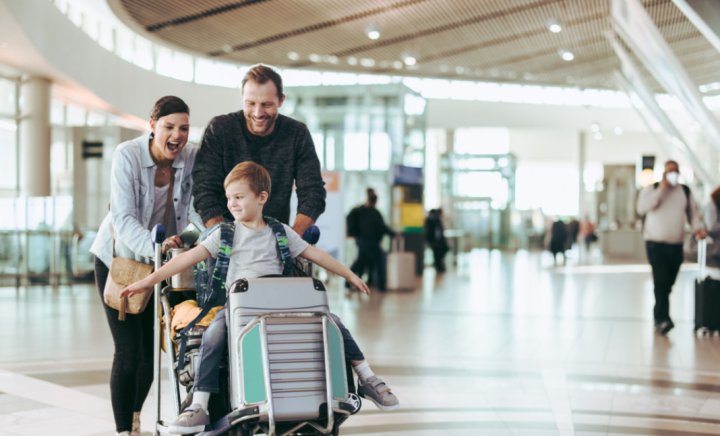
286, 359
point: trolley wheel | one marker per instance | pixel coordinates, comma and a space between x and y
354, 399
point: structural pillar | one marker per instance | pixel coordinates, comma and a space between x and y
582, 197
35, 137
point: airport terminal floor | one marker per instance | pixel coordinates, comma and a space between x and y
502, 344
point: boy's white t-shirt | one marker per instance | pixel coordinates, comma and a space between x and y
254, 254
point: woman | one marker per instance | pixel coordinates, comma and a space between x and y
711, 215
140, 179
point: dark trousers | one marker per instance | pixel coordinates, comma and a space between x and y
370, 255
132, 369
665, 260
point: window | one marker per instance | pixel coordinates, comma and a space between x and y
143, 56
380, 151
8, 97
174, 64
550, 186
356, 151
482, 141
318, 140
216, 73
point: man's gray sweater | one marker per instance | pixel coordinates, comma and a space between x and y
288, 154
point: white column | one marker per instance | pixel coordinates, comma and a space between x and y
35, 137
582, 198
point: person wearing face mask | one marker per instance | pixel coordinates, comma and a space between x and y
258, 133
667, 205
144, 170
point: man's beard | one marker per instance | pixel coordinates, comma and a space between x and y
250, 120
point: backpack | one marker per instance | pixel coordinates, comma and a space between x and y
211, 289
688, 212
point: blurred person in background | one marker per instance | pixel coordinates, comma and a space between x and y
366, 225
435, 237
573, 231
558, 240
666, 206
587, 231
711, 214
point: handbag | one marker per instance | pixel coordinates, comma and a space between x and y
124, 272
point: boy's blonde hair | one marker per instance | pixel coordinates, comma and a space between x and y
253, 174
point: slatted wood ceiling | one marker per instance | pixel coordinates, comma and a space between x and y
493, 40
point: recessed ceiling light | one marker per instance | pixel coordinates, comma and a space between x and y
330, 59
444, 68
595, 127
227, 48
410, 58
293, 56
352, 60
373, 31
367, 62
459, 70
598, 136
566, 54
397, 65
618, 130
554, 25
315, 57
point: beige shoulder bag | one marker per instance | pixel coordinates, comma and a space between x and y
124, 272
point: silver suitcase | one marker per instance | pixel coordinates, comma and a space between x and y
295, 347
400, 267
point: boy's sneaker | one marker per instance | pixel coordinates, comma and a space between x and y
192, 420
379, 393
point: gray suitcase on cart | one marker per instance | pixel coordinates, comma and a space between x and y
295, 345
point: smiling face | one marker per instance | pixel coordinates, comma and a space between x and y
171, 134
260, 106
243, 203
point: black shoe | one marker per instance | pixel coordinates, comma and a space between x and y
664, 327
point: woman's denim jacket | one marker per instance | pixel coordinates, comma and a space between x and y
132, 199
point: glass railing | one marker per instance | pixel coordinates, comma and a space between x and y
39, 243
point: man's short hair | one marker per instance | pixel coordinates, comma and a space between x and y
261, 74
672, 162
253, 174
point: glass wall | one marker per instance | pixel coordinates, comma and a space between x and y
9, 113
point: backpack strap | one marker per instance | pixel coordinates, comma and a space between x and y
217, 284
282, 244
688, 210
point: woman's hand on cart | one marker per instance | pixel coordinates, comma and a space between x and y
136, 288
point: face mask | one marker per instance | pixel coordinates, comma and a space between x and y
672, 178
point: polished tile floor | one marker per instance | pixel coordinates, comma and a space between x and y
503, 344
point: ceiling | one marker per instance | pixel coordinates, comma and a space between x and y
482, 40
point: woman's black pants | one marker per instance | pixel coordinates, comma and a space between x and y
132, 369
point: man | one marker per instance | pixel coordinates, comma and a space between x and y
257, 133
666, 206
368, 227
435, 237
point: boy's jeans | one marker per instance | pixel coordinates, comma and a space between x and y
214, 343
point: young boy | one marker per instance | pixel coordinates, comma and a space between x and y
254, 254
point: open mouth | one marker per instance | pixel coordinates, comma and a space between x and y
173, 146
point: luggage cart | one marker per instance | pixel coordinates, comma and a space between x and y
287, 369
